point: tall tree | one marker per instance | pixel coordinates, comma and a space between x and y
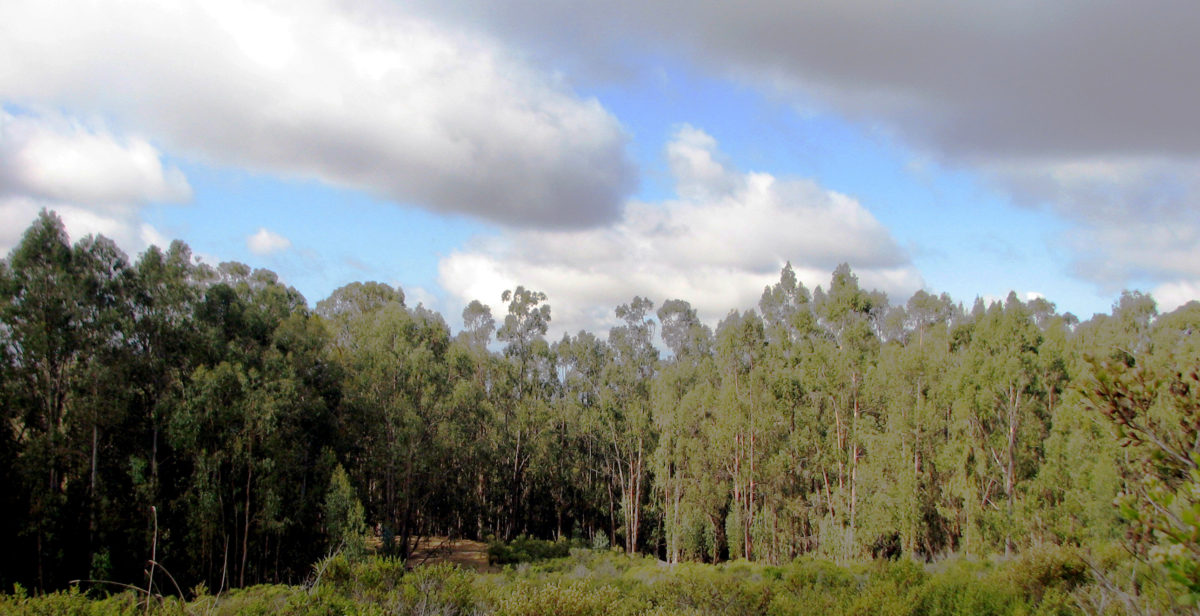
627, 413
693, 492
524, 401
741, 344
64, 310
1003, 413
852, 317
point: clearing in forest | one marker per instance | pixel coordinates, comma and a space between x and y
462, 552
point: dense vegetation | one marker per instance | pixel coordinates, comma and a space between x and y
206, 418
604, 584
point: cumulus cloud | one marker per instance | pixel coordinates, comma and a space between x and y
357, 94
717, 245
97, 182
1087, 108
419, 296
124, 228
1172, 295
51, 157
265, 242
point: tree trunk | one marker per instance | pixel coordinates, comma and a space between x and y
246, 528
1010, 474
854, 467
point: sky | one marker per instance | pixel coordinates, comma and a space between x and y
599, 150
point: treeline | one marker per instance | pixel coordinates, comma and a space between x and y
207, 417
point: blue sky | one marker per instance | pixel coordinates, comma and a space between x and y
597, 151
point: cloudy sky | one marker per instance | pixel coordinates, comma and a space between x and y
601, 150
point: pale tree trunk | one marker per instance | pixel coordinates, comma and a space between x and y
246, 528
854, 470
751, 505
676, 516
1011, 454
637, 473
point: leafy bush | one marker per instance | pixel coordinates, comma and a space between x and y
703, 589
1046, 582
573, 599
73, 602
1048, 568
385, 583
524, 549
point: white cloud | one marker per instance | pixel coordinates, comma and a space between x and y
97, 182
132, 236
51, 157
150, 236
1172, 295
355, 93
698, 174
717, 247
414, 296
265, 242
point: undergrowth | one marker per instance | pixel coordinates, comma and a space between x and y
585, 582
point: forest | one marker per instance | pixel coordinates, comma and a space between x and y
207, 418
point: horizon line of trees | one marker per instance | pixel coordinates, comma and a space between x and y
828, 422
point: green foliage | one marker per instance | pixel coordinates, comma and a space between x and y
386, 584
704, 589
344, 521
572, 599
605, 583
525, 549
825, 423
1153, 402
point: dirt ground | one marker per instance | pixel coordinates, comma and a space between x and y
462, 552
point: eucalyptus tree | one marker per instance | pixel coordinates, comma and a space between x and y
12, 507
65, 310
787, 312
792, 463
102, 400
1001, 404
96, 351
44, 341
397, 383
1072, 495
478, 324
817, 422
683, 332
910, 384
852, 317
581, 486
693, 492
473, 372
247, 427
740, 349
524, 398
627, 418
169, 285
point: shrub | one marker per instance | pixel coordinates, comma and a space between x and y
573, 599
703, 589
524, 549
